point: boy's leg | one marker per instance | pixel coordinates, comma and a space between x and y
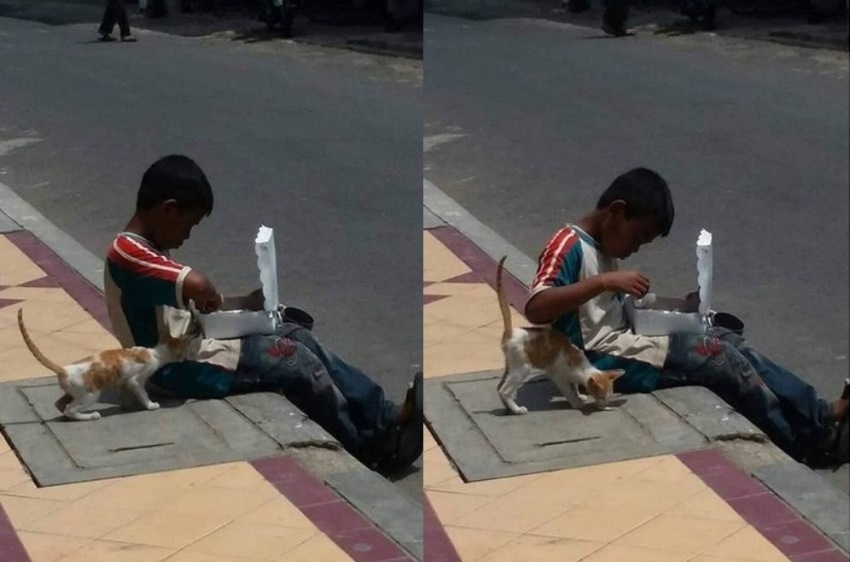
799, 399
703, 360
370, 409
120, 11
277, 364
392, 434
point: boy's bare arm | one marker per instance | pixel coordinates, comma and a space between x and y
547, 306
198, 288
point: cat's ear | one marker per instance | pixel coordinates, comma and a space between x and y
614, 374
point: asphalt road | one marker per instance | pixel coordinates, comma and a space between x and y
323, 145
528, 121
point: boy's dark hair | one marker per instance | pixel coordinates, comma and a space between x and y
175, 177
646, 195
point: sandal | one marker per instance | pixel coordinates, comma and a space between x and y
104, 38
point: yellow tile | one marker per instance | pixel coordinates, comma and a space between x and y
669, 469
714, 559
706, 504
11, 478
87, 326
241, 476
252, 540
127, 494
9, 460
23, 510
451, 506
657, 494
622, 553
436, 456
680, 534
18, 363
472, 544
523, 517
194, 556
108, 551
493, 488
580, 485
77, 520
207, 499
542, 549
168, 529
181, 479
593, 522
87, 343
49, 548
459, 357
433, 475
10, 336
278, 511
43, 294
428, 444
65, 492
317, 548
5, 447
439, 263
17, 267
748, 544
47, 316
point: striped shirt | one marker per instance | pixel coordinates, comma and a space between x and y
599, 326
144, 295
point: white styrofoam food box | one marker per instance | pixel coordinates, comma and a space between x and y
661, 316
228, 324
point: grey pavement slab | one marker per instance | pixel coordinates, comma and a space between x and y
485, 442
7, 224
815, 498
128, 441
398, 515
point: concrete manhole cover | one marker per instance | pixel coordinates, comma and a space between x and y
485, 442
180, 434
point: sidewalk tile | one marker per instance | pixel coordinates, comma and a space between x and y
278, 511
66, 493
186, 556
708, 505
251, 540
598, 522
107, 551
681, 534
49, 548
439, 263
623, 553
523, 515
168, 529
207, 499
542, 549
472, 544
318, 548
452, 506
751, 542
75, 520
22, 510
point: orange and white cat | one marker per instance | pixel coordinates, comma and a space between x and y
545, 349
118, 368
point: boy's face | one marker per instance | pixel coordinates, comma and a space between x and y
175, 226
621, 237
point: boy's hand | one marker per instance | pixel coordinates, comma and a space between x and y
629, 282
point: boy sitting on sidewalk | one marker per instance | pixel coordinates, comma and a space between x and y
148, 292
579, 288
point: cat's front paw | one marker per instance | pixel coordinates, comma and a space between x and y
153, 406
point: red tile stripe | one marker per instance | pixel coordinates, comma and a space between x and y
345, 526
86, 294
481, 264
761, 508
438, 546
11, 548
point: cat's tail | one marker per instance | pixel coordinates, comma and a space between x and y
503, 301
58, 369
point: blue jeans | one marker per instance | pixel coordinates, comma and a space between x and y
780, 403
332, 392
